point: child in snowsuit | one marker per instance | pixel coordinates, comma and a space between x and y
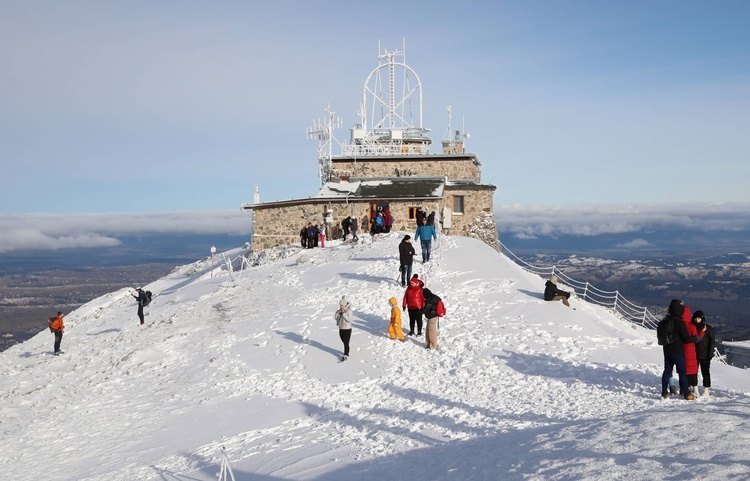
394, 329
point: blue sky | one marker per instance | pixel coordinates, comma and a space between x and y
183, 106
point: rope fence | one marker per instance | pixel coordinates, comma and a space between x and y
613, 300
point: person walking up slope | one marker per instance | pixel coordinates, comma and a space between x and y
343, 318
140, 296
432, 310
394, 328
57, 327
426, 233
406, 254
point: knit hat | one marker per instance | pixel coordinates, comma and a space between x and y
343, 302
698, 315
407, 237
553, 279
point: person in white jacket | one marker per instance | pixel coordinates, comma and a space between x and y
343, 318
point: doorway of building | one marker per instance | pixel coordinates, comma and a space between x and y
380, 217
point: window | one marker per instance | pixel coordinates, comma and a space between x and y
413, 213
458, 204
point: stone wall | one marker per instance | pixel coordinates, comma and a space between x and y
277, 226
457, 169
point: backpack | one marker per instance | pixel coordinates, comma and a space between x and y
440, 308
666, 331
147, 300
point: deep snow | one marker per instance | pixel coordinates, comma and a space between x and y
519, 389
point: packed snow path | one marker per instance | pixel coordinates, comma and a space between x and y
519, 389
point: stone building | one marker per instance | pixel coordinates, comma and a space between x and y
387, 165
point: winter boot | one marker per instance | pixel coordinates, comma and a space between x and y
689, 396
706, 392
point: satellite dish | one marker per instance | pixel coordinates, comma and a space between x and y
467, 135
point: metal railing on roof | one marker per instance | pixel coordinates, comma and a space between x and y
613, 300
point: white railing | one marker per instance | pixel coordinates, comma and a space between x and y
584, 290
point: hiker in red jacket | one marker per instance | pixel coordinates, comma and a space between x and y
691, 357
414, 302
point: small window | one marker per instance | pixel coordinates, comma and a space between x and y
413, 213
458, 204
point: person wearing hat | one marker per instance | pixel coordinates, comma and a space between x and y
705, 350
552, 293
394, 328
414, 302
406, 254
57, 327
343, 318
674, 353
140, 296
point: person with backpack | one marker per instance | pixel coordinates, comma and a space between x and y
432, 310
705, 350
406, 254
414, 302
426, 233
303, 237
56, 327
394, 328
346, 224
343, 318
143, 301
672, 335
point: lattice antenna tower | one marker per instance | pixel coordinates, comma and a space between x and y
322, 130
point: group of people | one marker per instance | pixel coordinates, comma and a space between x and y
350, 224
309, 235
418, 301
688, 344
381, 222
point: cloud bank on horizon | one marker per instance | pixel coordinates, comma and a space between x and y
610, 102
530, 222
51, 231
67, 231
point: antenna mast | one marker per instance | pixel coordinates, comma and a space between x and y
322, 130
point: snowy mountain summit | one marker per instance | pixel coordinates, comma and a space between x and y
520, 388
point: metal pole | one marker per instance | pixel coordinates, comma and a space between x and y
213, 251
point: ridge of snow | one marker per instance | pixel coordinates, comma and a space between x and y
519, 389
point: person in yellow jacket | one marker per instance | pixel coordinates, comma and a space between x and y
57, 327
394, 329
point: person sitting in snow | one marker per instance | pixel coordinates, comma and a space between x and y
394, 328
552, 293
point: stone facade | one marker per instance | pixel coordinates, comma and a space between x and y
278, 225
459, 167
470, 202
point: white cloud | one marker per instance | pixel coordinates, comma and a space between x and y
69, 231
635, 244
531, 221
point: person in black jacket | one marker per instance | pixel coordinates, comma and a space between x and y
552, 293
406, 254
140, 296
704, 350
674, 354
